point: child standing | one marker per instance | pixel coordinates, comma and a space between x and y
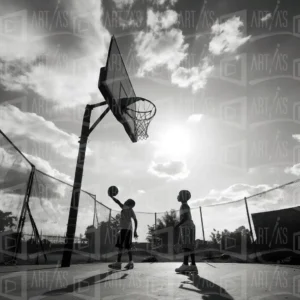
124, 239
187, 233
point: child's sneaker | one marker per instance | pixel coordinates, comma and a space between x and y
193, 269
129, 266
183, 268
116, 265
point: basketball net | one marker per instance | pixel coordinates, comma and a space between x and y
142, 116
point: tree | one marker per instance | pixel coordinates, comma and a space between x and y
7, 220
169, 219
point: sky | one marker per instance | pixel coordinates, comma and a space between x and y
223, 76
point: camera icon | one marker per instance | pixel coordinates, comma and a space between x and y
296, 155
83, 245
229, 243
156, 243
169, 240
14, 26
296, 242
83, 26
296, 286
84, 289
234, 112
296, 26
295, 201
234, 284
7, 243
13, 286
234, 70
234, 156
296, 112
235, 246
296, 69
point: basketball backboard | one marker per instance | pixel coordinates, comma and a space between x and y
114, 84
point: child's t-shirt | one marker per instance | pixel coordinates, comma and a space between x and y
185, 213
126, 215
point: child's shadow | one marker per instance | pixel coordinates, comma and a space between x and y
84, 283
208, 289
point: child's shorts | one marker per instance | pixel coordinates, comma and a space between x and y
124, 239
187, 236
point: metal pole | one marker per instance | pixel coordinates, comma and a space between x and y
23, 211
109, 217
94, 213
250, 226
72, 221
155, 228
201, 217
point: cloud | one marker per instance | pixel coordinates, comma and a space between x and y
141, 192
15, 172
296, 137
195, 77
195, 118
266, 17
294, 170
233, 193
227, 37
160, 45
36, 128
60, 75
173, 170
46, 167
161, 20
49, 199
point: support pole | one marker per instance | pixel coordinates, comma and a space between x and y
94, 213
201, 217
154, 236
250, 226
109, 217
72, 221
23, 211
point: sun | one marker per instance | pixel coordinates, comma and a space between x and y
175, 143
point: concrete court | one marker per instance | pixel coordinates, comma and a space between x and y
150, 281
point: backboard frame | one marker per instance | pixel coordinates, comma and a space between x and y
114, 107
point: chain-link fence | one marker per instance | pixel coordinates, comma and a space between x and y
260, 228
34, 211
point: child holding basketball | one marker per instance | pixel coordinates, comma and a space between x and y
124, 239
187, 233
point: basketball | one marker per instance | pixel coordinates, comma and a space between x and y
113, 191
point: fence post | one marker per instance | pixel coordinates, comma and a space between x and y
109, 218
94, 213
201, 217
23, 211
250, 226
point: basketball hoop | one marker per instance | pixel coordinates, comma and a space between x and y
141, 111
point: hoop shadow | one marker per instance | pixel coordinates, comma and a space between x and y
209, 290
85, 282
